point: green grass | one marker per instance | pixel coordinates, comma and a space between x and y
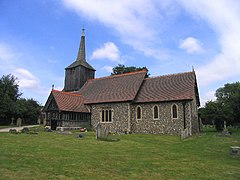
49, 155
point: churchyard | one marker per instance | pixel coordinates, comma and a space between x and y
53, 155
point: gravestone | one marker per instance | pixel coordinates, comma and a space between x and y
98, 132
235, 150
25, 130
81, 135
12, 121
19, 122
106, 132
225, 125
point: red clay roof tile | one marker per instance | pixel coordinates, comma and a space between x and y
167, 88
69, 101
117, 88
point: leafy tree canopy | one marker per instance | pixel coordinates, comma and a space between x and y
225, 108
122, 69
12, 105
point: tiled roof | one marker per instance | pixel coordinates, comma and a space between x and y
117, 88
69, 102
168, 88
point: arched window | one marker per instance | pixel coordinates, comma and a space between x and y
174, 111
139, 113
155, 112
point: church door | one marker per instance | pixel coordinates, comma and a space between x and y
53, 124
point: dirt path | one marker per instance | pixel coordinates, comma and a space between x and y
17, 128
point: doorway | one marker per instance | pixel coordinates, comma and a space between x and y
53, 124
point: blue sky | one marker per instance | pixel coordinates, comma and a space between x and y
39, 38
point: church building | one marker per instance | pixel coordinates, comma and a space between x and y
128, 103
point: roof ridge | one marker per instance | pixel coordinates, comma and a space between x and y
168, 75
68, 93
119, 75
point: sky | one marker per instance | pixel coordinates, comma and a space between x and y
39, 38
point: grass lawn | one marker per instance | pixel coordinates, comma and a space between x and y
49, 155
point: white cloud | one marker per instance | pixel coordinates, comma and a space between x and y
108, 68
207, 97
136, 22
26, 78
191, 45
224, 18
109, 51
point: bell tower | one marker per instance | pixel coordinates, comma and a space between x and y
79, 71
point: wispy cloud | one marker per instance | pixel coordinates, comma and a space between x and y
191, 45
109, 51
223, 18
26, 78
131, 20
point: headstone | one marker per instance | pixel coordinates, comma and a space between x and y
19, 122
12, 120
47, 129
225, 125
98, 132
25, 130
225, 132
106, 133
235, 150
13, 131
184, 134
81, 136
39, 120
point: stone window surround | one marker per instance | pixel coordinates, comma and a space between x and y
172, 111
137, 113
154, 112
104, 109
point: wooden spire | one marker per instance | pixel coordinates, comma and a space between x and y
81, 52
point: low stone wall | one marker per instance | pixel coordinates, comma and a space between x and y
75, 123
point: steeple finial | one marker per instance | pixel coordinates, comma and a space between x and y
81, 51
193, 69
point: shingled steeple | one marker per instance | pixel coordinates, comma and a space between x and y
81, 52
79, 71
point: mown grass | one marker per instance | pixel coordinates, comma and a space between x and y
49, 155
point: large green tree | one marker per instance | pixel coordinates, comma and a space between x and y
9, 93
13, 106
226, 107
229, 97
122, 69
28, 110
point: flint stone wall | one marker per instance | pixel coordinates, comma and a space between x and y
196, 123
124, 118
165, 124
120, 116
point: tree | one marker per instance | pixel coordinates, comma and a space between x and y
29, 110
212, 113
9, 93
12, 105
229, 97
225, 108
121, 69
